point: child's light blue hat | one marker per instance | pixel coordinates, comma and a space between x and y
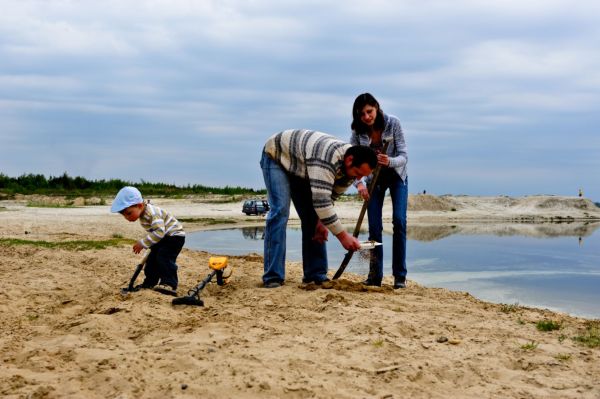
126, 197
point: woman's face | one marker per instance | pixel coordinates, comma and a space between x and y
368, 115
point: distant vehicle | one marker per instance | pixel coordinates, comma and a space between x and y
255, 207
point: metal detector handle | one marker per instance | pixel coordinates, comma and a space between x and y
361, 216
220, 280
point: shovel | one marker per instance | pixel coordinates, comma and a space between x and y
349, 254
138, 269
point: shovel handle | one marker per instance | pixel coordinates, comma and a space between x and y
138, 270
361, 216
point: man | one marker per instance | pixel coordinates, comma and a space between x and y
312, 169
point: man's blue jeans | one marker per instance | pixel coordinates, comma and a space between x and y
399, 193
282, 188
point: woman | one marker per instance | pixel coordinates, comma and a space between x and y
372, 127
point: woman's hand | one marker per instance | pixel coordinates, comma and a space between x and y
383, 159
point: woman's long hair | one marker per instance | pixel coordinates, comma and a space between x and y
366, 99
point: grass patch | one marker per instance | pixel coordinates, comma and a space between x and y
529, 346
548, 325
217, 199
38, 204
207, 220
563, 357
32, 316
505, 308
591, 336
561, 338
378, 343
76, 245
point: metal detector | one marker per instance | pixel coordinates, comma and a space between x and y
217, 264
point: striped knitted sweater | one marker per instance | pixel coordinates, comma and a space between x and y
158, 223
319, 158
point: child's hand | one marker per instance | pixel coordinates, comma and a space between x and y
137, 247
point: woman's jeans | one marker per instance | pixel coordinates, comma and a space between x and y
399, 193
281, 188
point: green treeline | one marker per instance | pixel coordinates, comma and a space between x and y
80, 186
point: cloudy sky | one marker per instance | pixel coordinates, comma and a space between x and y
494, 97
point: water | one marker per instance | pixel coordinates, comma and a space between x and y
553, 266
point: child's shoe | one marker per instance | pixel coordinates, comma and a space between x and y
142, 286
165, 289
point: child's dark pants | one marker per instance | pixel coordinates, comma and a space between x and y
160, 266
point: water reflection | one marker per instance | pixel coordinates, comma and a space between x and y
433, 232
551, 265
253, 233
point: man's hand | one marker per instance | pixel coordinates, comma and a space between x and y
321, 233
363, 191
348, 241
137, 247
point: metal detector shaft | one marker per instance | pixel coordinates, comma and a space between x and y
361, 216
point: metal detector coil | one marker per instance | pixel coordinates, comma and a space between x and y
217, 262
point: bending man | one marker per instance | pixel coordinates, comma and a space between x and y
311, 169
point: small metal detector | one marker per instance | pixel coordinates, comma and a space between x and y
217, 264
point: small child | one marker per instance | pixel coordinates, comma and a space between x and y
165, 239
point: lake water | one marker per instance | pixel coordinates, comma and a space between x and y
553, 266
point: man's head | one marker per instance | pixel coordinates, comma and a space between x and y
359, 161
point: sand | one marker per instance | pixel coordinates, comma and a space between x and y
67, 332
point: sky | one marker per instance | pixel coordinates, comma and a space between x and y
494, 98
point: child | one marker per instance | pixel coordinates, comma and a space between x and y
165, 239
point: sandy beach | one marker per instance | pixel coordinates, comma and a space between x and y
66, 331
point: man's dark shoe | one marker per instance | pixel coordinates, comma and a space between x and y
399, 283
272, 284
372, 283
